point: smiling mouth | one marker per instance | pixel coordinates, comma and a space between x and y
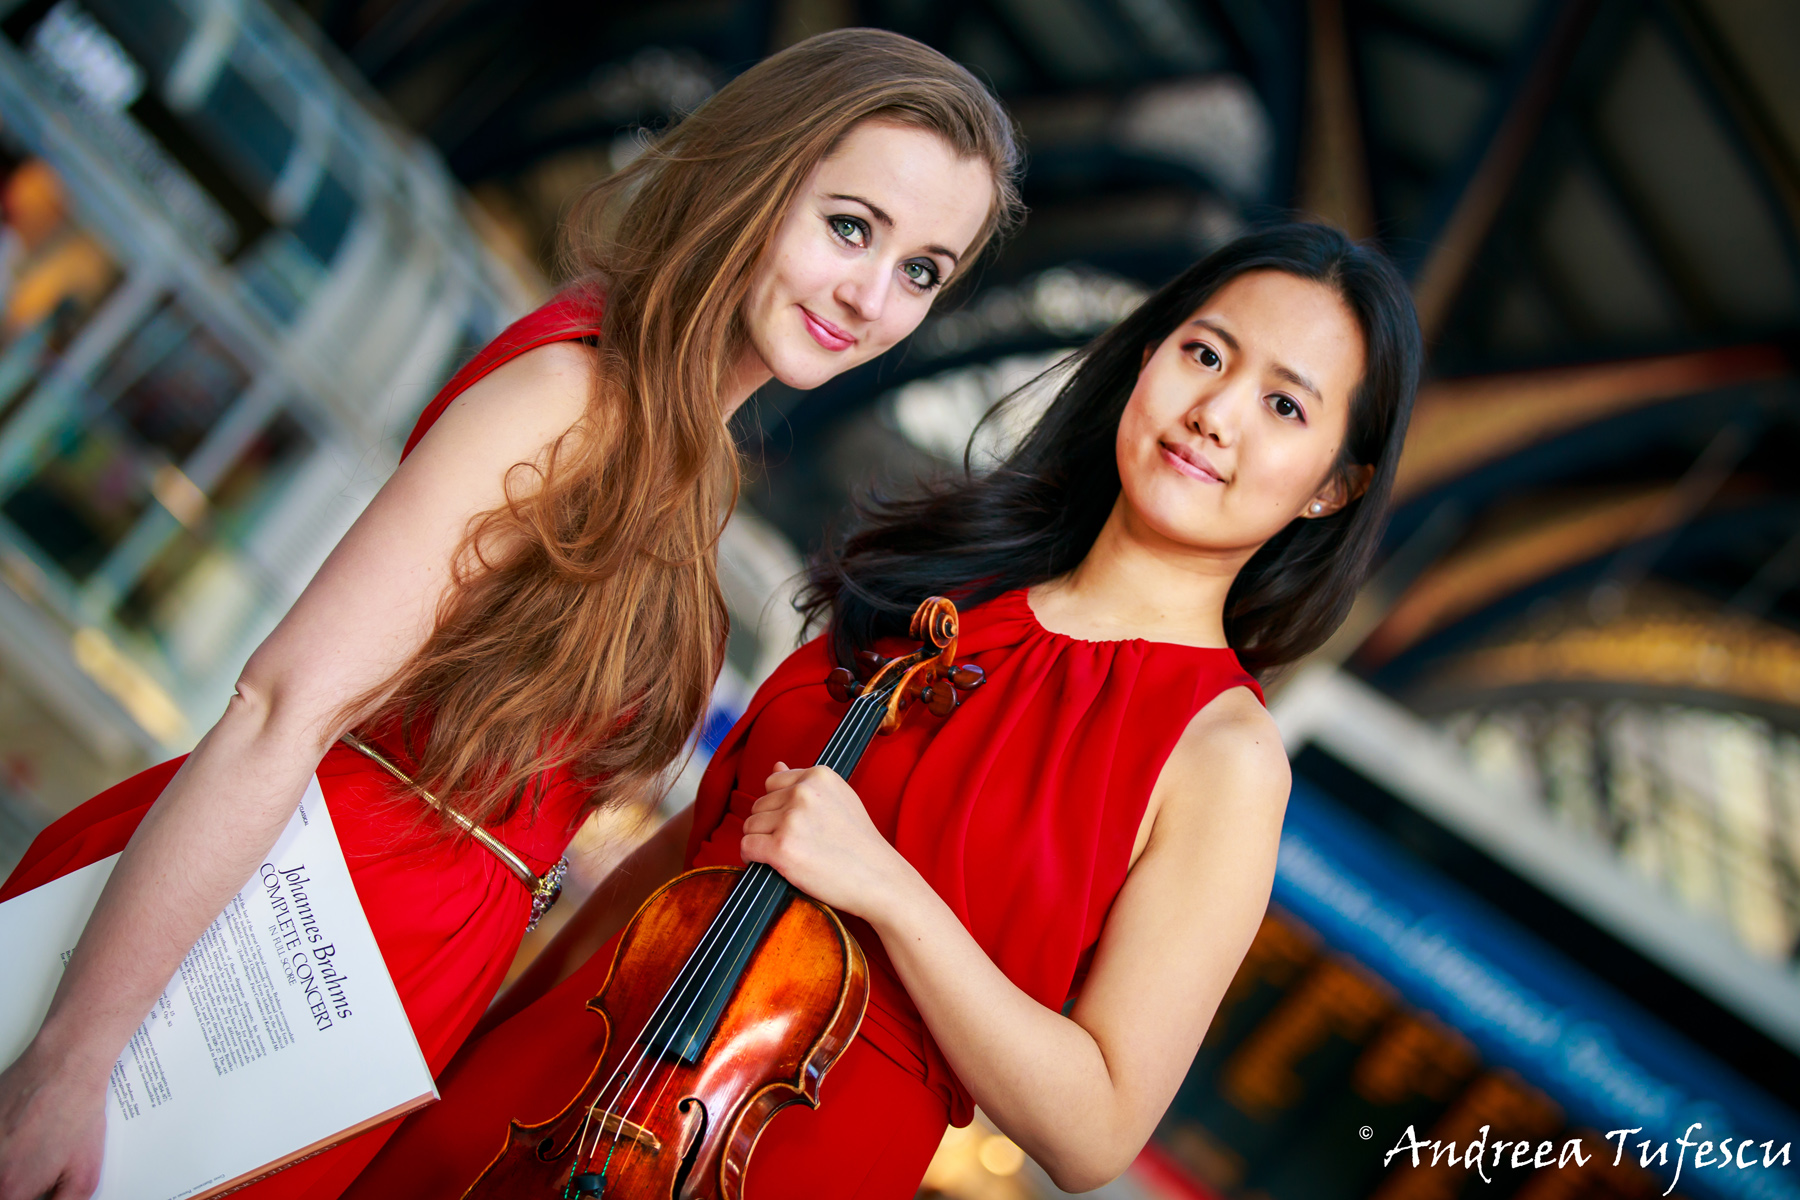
1189, 463
824, 332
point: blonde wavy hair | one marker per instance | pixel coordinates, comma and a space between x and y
585, 625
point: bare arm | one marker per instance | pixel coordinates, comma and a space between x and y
1079, 1093
600, 916
370, 606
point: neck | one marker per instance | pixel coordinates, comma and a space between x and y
1135, 583
747, 374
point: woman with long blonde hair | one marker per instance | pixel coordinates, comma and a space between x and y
526, 621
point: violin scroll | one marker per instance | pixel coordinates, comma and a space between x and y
936, 621
929, 674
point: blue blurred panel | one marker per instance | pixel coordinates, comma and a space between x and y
1523, 1004
718, 723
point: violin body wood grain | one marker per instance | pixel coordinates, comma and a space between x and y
651, 1125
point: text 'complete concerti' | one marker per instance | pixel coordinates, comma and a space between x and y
306, 952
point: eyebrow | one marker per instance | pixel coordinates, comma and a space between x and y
1300, 381
1288, 373
882, 217
1224, 334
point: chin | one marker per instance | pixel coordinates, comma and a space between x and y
1180, 521
803, 377
806, 367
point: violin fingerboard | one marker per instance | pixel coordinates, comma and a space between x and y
683, 1021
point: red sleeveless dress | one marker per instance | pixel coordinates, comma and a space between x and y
447, 915
1021, 809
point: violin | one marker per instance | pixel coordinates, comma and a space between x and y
731, 995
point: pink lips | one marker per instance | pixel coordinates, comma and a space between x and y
825, 333
1190, 463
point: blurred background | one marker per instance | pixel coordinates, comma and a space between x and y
1542, 866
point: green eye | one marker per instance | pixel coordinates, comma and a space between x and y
923, 274
848, 228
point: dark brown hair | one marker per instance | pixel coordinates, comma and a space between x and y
1034, 517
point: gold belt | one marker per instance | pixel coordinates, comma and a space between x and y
544, 888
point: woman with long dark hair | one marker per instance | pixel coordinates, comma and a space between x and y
526, 622
1054, 886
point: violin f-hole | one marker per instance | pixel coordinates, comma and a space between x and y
692, 1153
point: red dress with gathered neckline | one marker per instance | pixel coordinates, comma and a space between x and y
447, 915
1020, 809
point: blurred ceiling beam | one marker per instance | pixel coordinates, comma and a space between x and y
506, 71
1334, 172
1779, 574
1458, 425
1662, 242
450, 27
1473, 578
1440, 277
1726, 77
403, 24
1446, 39
1694, 651
1681, 504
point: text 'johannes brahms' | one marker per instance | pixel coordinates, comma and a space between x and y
307, 955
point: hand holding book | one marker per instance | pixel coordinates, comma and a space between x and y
280, 1035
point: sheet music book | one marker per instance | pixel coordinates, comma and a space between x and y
280, 1036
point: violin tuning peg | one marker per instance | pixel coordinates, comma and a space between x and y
867, 663
842, 685
939, 701
968, 676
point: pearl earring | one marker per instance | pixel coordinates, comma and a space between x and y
1317, 508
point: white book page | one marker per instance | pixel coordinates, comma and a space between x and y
280, 1034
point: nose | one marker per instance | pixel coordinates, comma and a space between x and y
864, 291
1218, 415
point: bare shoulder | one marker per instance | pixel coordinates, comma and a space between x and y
1230, 756
517, 409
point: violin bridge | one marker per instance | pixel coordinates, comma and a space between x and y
612, 1123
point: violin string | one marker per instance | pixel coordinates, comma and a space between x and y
729, 923
852, 730
683, 977
859, 731
720, 926
606, 1100
737, 959
855, 727
717, 931
842, 735
646, 1047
